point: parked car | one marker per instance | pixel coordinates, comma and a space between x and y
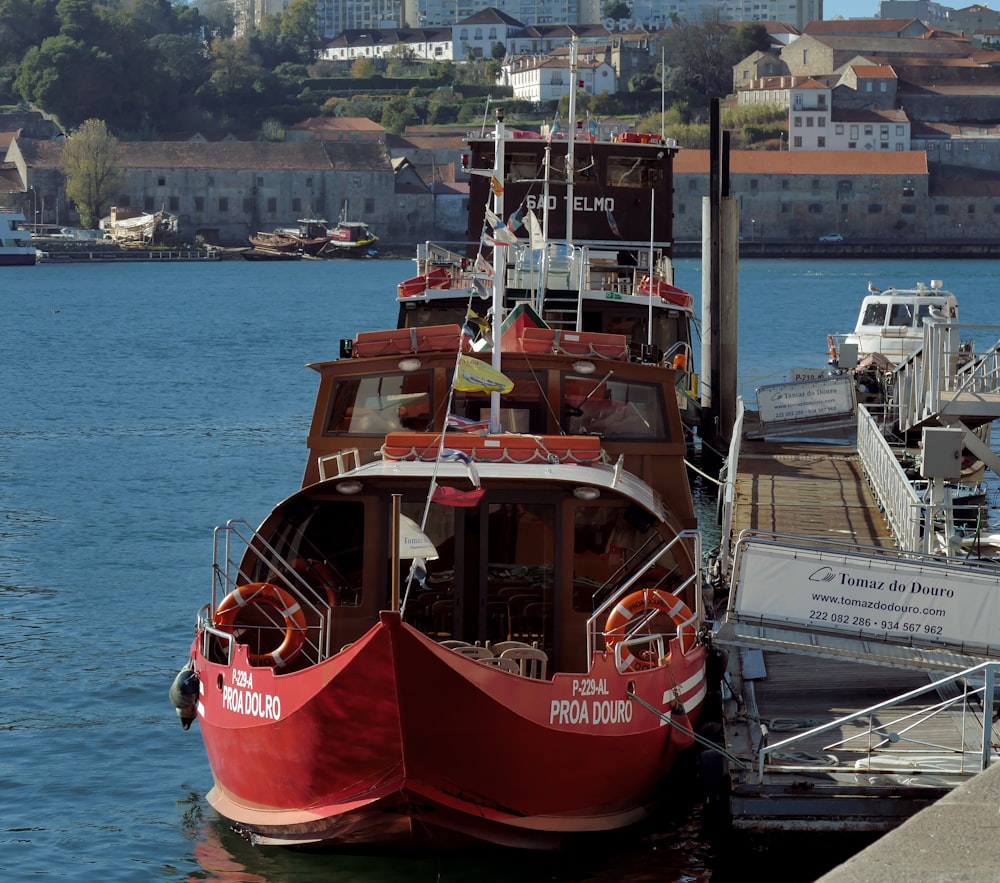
831, 237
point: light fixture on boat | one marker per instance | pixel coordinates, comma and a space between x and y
584, 367
411, 364
350, 487
586, 493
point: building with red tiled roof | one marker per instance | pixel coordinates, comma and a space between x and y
339, 129
866, 27
798, 195
225, 191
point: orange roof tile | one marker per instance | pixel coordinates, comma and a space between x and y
808, 162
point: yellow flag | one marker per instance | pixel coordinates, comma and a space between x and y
496, 186
476, 376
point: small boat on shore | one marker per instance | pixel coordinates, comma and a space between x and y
16, 248
131, 228
309, 238
351, 239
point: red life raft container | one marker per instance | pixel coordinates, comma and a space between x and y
511, 448
427, 339
439, 277
669, 294
575, 343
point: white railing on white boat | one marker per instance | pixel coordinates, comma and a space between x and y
231, 543
649, 554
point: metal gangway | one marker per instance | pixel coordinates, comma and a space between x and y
948, 383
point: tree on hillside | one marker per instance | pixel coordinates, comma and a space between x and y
752, 37
67, 77
700, 59
363, 68
90, 164
298, 29
616, 9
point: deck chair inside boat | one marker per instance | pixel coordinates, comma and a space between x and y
531, 662
501, 663
443, 618
474, 651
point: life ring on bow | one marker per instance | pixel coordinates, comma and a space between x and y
244, 598
639, 602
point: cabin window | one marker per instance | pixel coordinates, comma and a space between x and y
522, 409
874, 314
327, 550
628, 171
380, 404
901, 315
613, 408
493, 579
607, 539
522, 165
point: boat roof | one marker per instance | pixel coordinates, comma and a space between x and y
604, 477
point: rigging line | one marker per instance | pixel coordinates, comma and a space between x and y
437, 460
542, 394
701, 740
705, 475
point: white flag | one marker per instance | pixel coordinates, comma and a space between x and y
535, 231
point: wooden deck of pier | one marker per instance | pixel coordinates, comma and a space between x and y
791, 682
804, 487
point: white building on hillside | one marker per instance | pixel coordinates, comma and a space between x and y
859, 122
548, 79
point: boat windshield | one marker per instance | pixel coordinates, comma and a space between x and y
901, 315
874, 314
614, 408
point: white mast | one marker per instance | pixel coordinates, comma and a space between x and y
499, 265
571, 135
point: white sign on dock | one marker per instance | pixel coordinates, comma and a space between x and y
875, 596
809, 399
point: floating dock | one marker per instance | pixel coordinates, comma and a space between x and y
859, 657
96, 251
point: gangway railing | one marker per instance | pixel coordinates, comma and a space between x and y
931, 381
894, 492
890, 745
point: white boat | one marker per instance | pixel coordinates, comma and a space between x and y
128, 228
15, 240
891, 321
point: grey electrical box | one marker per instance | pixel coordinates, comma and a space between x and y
847, 357
942, 453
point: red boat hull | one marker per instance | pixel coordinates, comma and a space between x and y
398, 740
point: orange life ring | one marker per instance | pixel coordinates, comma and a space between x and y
269, 595
640, 602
